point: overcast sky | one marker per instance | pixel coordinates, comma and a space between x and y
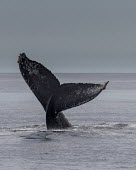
69, 35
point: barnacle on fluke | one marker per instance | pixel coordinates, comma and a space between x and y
53, 96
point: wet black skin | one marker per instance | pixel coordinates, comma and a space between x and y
54, 97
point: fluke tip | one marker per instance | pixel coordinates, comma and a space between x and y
105, 85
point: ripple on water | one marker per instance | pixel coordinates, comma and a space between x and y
41, 132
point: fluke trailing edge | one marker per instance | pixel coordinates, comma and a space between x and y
53, 96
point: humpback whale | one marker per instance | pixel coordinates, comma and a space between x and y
53, 96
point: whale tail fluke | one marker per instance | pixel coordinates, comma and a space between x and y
40, 80
74, 94
54, 97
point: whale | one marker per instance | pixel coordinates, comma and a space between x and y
54, 96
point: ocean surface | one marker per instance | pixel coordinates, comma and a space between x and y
103, 134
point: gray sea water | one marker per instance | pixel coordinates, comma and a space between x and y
103, 136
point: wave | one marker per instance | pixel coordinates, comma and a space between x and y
40, 131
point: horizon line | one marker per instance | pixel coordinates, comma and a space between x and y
77, 73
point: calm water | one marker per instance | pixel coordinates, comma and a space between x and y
103, 136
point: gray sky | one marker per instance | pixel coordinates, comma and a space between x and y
69, 35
